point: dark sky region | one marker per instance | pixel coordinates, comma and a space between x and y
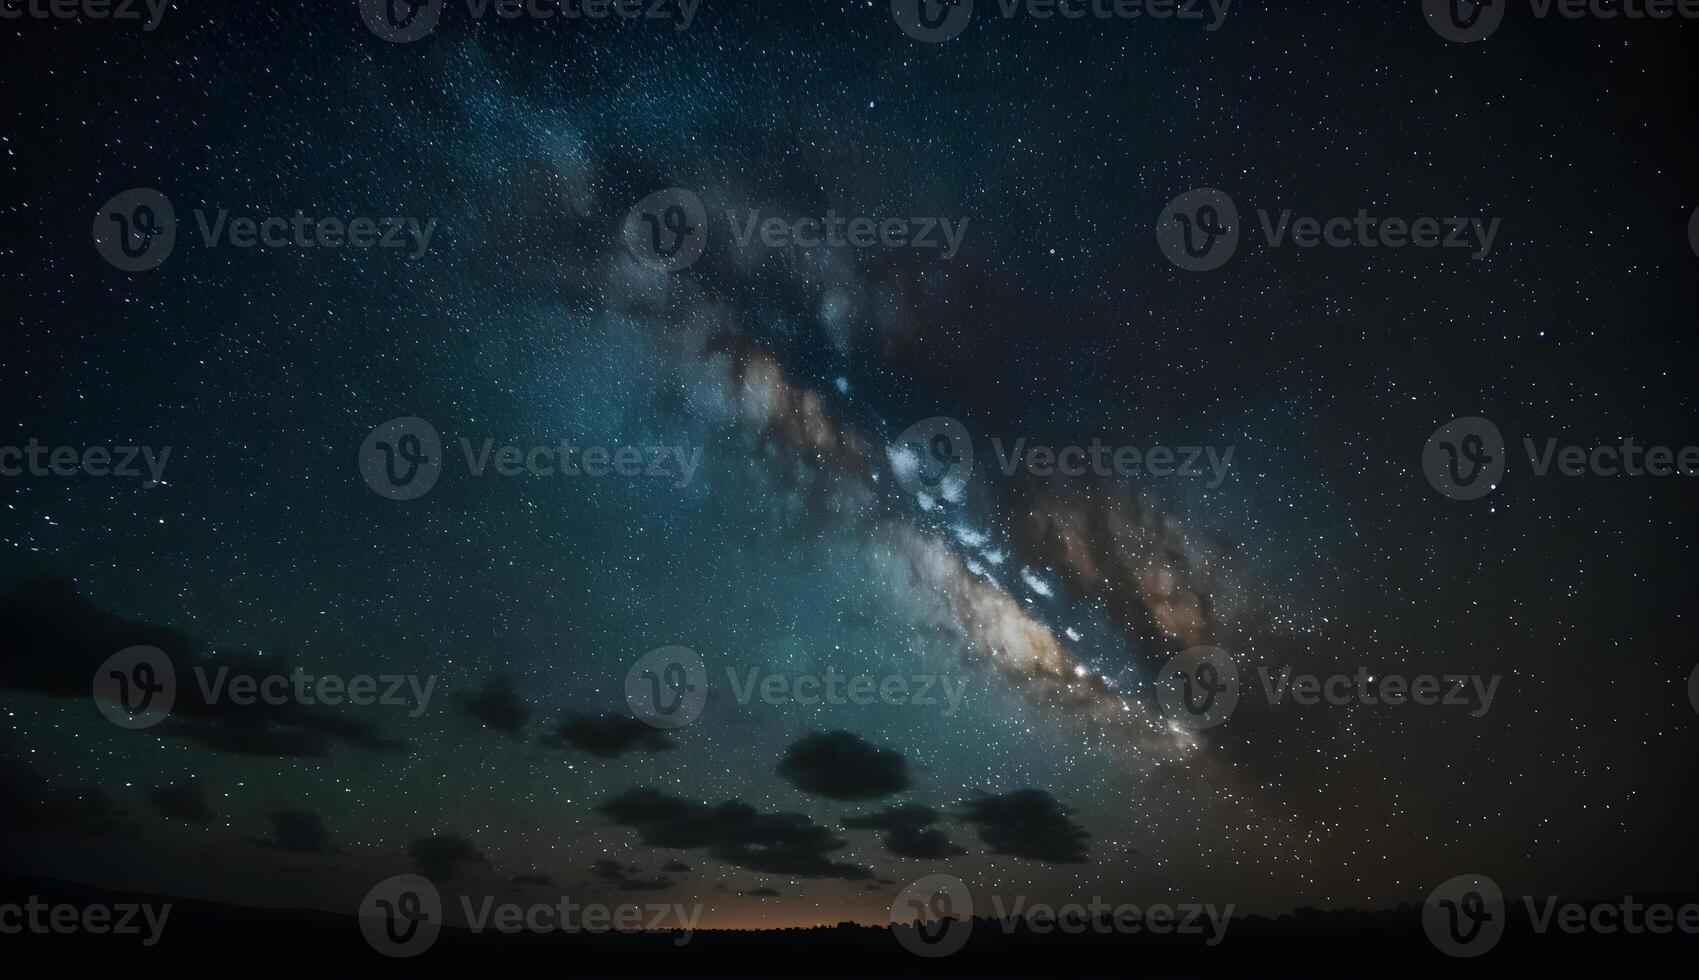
792, 550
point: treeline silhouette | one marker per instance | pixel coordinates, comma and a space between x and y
206, 938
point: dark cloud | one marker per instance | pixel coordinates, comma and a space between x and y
534, 881
30, 801
184, 800
624, 877
440, 858
675, 867
909, 832
290, 729
762, 892
733, 832
607, 736
298, 832
52, 641
843, 766
1028, 823
498, 706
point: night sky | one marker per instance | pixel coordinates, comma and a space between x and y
795, 548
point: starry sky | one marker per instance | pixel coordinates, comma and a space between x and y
793, 549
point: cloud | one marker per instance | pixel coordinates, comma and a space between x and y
909, 832
184, 800
1028, 823
440, 858
733, 832
675, 867
763, 892
298, 832
498, 706
607, 736
30, 801
843, 766
624, 878
534, 881
52, 641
